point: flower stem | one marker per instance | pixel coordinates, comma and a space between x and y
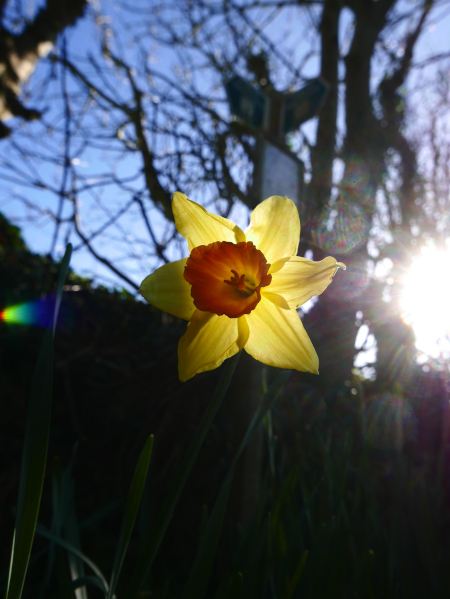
159, 529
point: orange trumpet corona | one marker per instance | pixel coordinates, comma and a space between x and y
226, 278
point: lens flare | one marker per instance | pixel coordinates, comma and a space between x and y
425, 302
340, 228
34, 313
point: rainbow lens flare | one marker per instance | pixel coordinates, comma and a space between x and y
34, 313
340, 228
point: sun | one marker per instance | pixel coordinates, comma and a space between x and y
425, 302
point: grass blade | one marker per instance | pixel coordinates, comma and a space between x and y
77, 584
235, 589
131, 511
43, 532
72, 535
34, 456
296, 576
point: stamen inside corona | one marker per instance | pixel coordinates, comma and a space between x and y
245, 288
226, 278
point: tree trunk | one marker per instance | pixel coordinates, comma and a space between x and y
325, 149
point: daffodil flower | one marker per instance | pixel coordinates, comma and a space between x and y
240, 289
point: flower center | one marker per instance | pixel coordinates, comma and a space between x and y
245, 288
226, 278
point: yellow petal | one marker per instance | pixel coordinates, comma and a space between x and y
167, 290
208, 341
277, 299
299, 279
277, 338
200, 227
275, 228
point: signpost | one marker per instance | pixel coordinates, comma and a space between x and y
277, 170
246, 102
304, 104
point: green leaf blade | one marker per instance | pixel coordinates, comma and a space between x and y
34, 457
131, 511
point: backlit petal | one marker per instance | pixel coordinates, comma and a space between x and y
299, 279
200, 227
208, 341
167, 290
277, 338
275, 228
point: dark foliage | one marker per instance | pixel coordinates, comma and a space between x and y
369, 465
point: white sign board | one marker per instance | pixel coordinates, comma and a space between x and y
281, 173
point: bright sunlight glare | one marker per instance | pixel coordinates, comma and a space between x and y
425, 302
